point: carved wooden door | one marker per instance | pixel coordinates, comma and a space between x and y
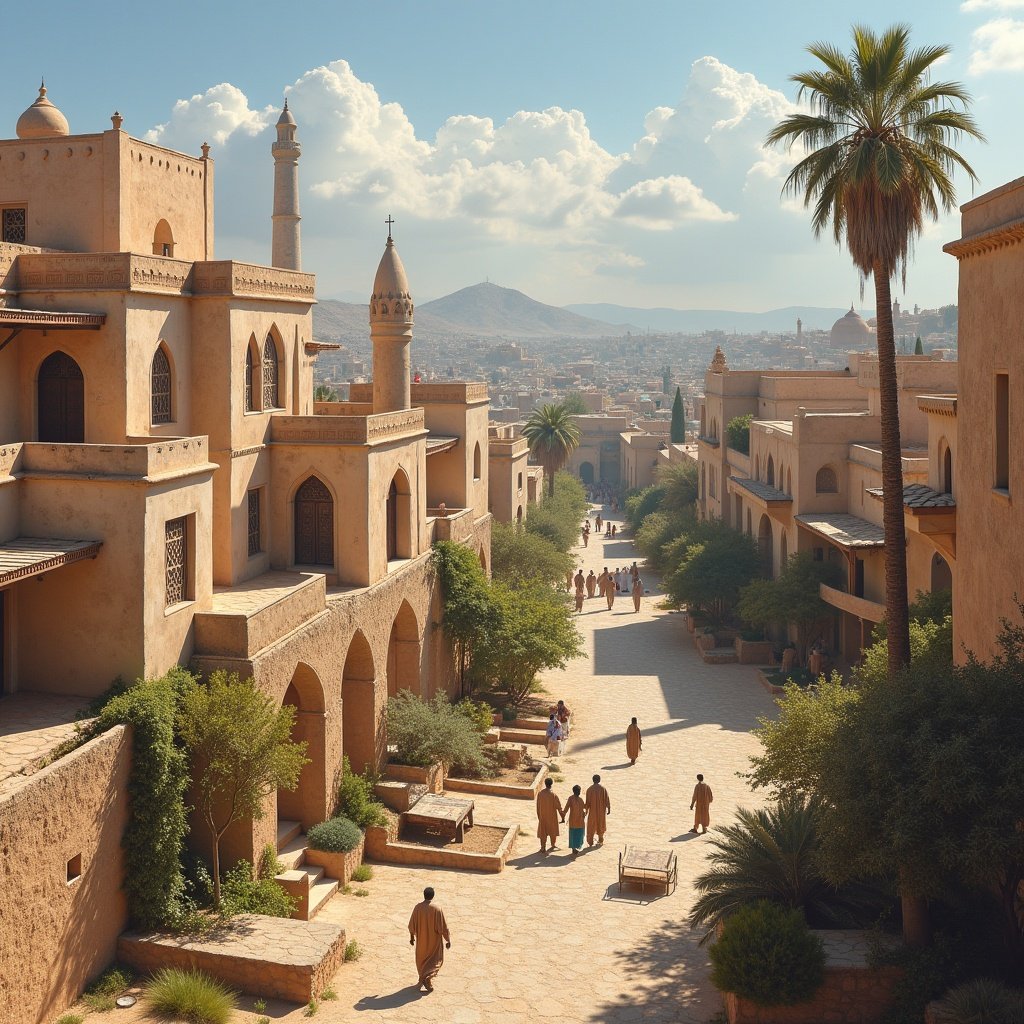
314, 524
61, 400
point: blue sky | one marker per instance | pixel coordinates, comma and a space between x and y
577, 151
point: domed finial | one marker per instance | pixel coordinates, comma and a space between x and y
286, 103
116, 120
42, 86
718, 363
42, 120
389, 222
206, 150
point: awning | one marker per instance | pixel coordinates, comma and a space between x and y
919, 498
437, 443
844, 530
30, 556
766, 492
18, 320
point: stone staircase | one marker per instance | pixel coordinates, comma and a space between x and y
306, 883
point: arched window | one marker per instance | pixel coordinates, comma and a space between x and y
947, 466
770, 472
270, 374
789, 482
314, 524
160, 387
163, 240
397, 514
476, 461
60, 394
757, 467
825, 481
249, 371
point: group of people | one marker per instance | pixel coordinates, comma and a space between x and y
603, 494
558, 729
607, 585
587, 815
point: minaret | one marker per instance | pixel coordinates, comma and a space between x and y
799, 329
390, 331
286, 248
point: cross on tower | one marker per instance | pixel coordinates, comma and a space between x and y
389, 222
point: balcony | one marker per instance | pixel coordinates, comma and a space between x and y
454, 524
861, 607
362, 430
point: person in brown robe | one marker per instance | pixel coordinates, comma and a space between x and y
591, 584
598, 808
549, 811
702, 797
638, 592
609, 592
580, 582
602, 582
428, 932
634, 741
576, 810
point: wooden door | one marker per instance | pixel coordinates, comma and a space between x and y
61, 405
314, 524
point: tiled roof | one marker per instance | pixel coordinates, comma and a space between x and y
440, 443
766, 492
845, 530
919, 496
29, 556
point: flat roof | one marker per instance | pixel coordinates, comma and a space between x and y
845, 530
30, 556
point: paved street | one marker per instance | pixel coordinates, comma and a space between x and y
548, 938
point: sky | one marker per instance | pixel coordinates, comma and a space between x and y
580, 152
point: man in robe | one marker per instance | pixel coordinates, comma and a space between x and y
702, 797
638, 592
428, 932
602, 582
598, 808
591, 584
580, 582
576, 810
549, 811
634, 741
609, 591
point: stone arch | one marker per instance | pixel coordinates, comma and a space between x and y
942, 574
163, 239
310, 802
313, 519
362, 721
769, 472
161, 386
398, 517
945, 466
271, 366
587, 472
519, 514
757, 466
826, 481
60, 400
403, 664
252, 375
477, 461
764, 546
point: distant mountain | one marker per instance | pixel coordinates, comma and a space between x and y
350, 322
488, 309
693, 321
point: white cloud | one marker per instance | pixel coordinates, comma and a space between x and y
970, 6
998, 46
213, 116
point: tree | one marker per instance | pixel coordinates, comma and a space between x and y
677, 430
642, 504
467, 605
679, 482
574, 405
552, 437
737, 433
558, 518
792, 599
719, 562
520, 556
324, 393
918, 347
532, 629
241, 752
879, 161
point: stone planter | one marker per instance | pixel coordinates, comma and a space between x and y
754, 652
380, 846
491, 787
337, 865
432, 777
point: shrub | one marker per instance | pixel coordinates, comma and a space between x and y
479, 713
363, 873
430, 732
311, 1008
70, 1018
269, 865
982, 1001
353, 951
243, 894
355, 799
737, 432
767, 954
190, 996
336, 835
328, 995
101, 992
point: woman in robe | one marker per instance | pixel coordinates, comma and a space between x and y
634, 741
549, 810
702, 797
576, 809
428, 932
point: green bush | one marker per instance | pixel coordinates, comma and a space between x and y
70, 1018
269, 864
737, 433
241, 893
479, 713
355, 799
363, 873
982, 1001
101, 992
190, 996
428, 732
337, 835
768, 955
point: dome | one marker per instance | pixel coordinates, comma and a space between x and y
286, 115
851, 332
42, 120
391, 298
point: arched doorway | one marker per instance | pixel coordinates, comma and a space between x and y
404, 652
60, 390
362, 718
163, 239
764, 545
587, 472
519, 515
309, 802
398, 518
314, 524
769, 472
947, 467
942, 575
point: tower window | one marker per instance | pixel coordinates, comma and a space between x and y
14, 218
161, 387
176, 561
1002, 432
74, 869
255, 542
270, 374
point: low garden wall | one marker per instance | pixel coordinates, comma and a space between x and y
492, 787
432, 777
380, 846
754, 652
337, 865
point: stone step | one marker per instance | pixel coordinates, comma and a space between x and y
287, 831
293, 855
320, 893
532, 736
399, 796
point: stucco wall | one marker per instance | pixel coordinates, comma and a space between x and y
57, 935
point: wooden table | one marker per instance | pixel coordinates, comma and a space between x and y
637, 864
447, 813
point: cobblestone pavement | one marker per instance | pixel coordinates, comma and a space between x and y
552, 939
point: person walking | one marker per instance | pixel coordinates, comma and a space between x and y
555, 734
609, 592
549, 810
591, 583
702, 797
580, 581
597, 522
564, 716
638, 592
599, 806
428, 932
634, 741
576, 809
602, 582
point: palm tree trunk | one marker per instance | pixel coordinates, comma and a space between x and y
896, 609
916, 924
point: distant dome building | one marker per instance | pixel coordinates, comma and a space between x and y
851, 331
42, 120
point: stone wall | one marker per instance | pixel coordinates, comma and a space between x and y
65, 821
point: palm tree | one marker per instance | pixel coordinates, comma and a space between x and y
552, 437
879, 160
770, 854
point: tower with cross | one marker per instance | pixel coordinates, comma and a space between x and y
391, 331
